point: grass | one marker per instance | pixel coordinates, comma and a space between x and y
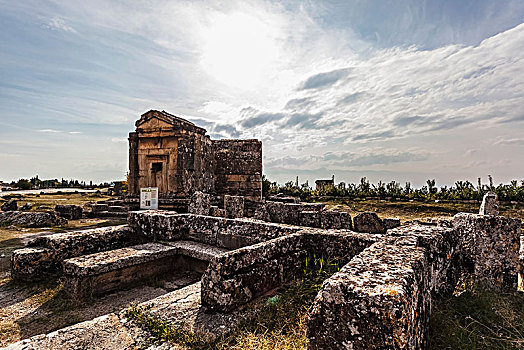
51, 200
406, 210
279, 321
478, 319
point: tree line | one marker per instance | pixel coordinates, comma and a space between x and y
36, 183
461, 190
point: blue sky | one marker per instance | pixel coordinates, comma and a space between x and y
402, 90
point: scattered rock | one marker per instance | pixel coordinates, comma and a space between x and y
10, 205
26, 207
368, 222
490, 204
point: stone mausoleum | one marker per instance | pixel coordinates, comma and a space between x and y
178, 157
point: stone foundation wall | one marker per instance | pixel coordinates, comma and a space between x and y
239, 276
382, 298
219, 231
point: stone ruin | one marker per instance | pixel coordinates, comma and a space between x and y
381, 298
243, 247
178, 157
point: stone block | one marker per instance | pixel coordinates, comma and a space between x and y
390, 223
69, 211
31, 263
26, 207
233, 206
310, 218
379, 300
99, 273
216, 211
31, 219
490, 204
51, 250
336, 220
200, 203
491, 245
368, 222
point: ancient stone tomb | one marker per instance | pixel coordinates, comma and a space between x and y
178, 157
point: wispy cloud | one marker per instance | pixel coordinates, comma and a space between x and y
57, 23
51, 131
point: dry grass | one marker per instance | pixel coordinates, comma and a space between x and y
51, 200
414, 210
277, 323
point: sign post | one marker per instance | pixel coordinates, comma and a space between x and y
149, 198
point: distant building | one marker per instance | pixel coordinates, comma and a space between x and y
178, 157
325, 184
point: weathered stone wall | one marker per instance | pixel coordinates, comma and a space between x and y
238, 168
239, 276
443, 251
491, 247
382, 298
45, 254
219, 231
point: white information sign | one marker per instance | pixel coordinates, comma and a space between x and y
149, 198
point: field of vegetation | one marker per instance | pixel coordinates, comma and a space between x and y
461, 190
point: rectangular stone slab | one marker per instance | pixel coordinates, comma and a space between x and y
99, 273
198, 250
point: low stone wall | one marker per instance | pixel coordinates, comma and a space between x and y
45, 254
99, 273
222, 232
239, 276
379, 300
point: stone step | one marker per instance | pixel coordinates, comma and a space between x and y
198, 250
118, 209
111, 214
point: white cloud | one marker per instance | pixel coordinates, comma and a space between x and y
51, 131
510, 141
59, 24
